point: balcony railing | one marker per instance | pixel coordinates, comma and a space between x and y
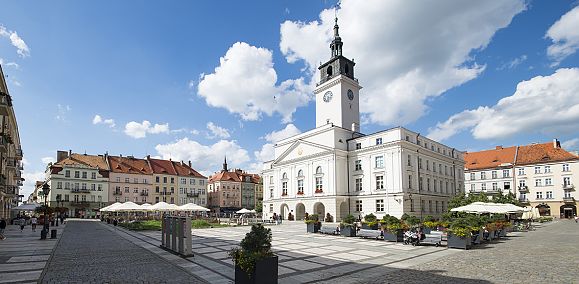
117, 192
165, 193
79, 203
569, 199
568, 187
5, 99
523, 200
523, 188
18, 153
9, 189
78, 190
192, 194
144, 193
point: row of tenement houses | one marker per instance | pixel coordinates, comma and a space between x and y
540, 175
84, 183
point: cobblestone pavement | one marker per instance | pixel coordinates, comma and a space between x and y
89, 252
548, 255
23, 255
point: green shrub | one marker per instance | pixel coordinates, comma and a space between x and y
370, 218
412, 221
428, 218
255, 246
312, 219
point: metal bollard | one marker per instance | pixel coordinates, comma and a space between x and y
53, 234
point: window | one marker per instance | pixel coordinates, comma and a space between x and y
565, 167
93, 187
537, 170
379, 162
429, 205
409, 160
547, 170
548, 181
483, 175
164, 179
192, 181
358, 205
437, 209
407, 138
144, 180
505, 173
76, 185
521, 171
126, 189
427, 165
409, 181
420, 163
378, 141
495, 186
440, 168
127, 180
472, 188
271, 208
67, 185
84, 175
118, 179
358, 165
539, 195
76, 174
93, 175
67, 173
445, 170
319, 170
494, 174
549, 195
157, 189
379, 182
379, 205
59, 185
566, 181
507, 185
472, 176
319, 187
420, 183
483, 186
301, 186
422, 205
284, 188
428, 184
358, 184
157, 179
522, 183
358, 146
271, 180
270, 193
538, 182
66, 197
435, 184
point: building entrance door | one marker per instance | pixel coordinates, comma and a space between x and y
568, 213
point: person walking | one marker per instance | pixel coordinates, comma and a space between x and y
576, 219
2, 228
22, 223
34, 221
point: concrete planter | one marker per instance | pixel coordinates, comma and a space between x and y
397, 236
458, 242
503, 233
348, 231
373, 227
426, 230
265, 272
313, 227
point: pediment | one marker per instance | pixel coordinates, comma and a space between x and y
301, 149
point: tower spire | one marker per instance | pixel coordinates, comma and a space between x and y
336, 45
225, 164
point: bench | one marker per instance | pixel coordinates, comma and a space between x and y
365, 233
435, 238
328, 230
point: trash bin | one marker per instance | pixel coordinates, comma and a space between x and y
53, 234
43, 234
52, 223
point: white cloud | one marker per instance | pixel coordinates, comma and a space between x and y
217, 131
205, 158
140, 130
543, 104
513, 63
62, 112
289, 131
571, 144
245, 83
565, 36
405, 53
266, 153
21, 47
47, 160
106, 121
30, 181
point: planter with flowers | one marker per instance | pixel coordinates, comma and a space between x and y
254, 260
370, 222
347, 226
313, 224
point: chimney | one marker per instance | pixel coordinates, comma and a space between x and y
556, 143
498, 147
189, 163
148, 157
69, 153
61, 155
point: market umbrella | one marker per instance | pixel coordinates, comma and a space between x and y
243, 211
192, 207
476, 207
127, 206
27, 207
163, 206
108, 208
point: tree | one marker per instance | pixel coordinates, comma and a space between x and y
259, 206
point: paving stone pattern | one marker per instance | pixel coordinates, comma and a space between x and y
89, 252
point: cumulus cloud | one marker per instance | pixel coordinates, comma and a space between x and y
245, 83
543, 104
106, 121
513, 63
266, 153
565, 36
217, 131
571, 144
30, 179
140, 130
402, 62
47, 160
21, 47
204, 158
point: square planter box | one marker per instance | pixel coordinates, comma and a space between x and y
313, 228
491, 235
458, 242
348, 231
397, 236
426, 230
503, 233
265, 272
373, 227
477, 237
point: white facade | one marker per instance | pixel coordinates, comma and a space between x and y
490, 181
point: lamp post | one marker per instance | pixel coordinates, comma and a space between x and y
45, 191
58, 197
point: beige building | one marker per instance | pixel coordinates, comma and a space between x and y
130, 179
230, 191
540, 175
10, 153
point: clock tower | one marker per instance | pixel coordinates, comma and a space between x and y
337, 93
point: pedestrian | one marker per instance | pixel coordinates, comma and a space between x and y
2, 228
34, 221
576, 219
22, 223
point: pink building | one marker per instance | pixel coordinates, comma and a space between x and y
130, 179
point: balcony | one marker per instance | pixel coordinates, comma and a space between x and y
190, 194
117, 192
80, 203
9, 190
18, 174
5, 99
569, 200
568, 187
18, 153
524, 201
523, 189
19, 183
144, 193
165, 193
78, 190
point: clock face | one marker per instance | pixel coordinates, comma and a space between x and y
350, 95
328, 96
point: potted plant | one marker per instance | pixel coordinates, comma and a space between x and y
370, 222
505, 225
254, 261
491, 228
313, 224
347, 227
393, 229
428, 224
460, 234
329, 218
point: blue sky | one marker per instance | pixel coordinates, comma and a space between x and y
231, 77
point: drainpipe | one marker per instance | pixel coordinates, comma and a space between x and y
418, 173
514, 174
348, 174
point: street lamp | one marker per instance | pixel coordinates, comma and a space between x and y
45, 191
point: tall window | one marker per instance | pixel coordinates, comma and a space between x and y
434, 183
521, 171
495, 186
379, 182
300, 173
358, 165
549, 195
358, 205
379, 205
505, 173
427, 165
537, 170
483, 175
379, 161
358, 184
300, 186
539, 195
565, 167
409, 160
494, 174
484, 186
84, 175
378, 141
319, 187
472, 176
59, 185
420, 183
270, 193
547, 169
67, 173
472, 187
409, 181
566, 181
420, 163
428, 184
93, 175
76, 174
284, 188
538, 182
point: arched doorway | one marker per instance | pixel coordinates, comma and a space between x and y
320, 209
568, 211
544, 210
300, 211
343, 210
283, 211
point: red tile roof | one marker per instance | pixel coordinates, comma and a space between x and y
543, 153
184, 169
490, 158
129, 165
225, 176
162, 167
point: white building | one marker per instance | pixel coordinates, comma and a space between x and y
334, 169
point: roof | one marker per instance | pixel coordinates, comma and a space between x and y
543, 153
225, 176
184, 169
91, 160
162, 167
129, 165
490, 158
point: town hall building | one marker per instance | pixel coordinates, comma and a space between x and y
334, 170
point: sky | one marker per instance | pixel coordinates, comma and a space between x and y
198, 80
